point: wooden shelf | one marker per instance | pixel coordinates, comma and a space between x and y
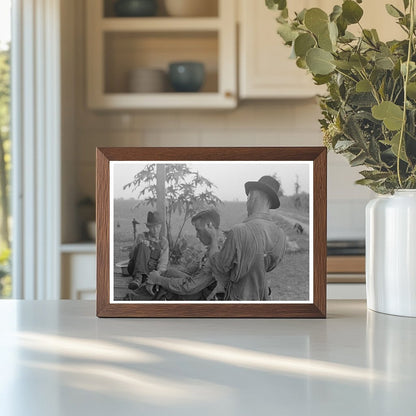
345, 269
81, 247
160, 24
196, 100
346, 264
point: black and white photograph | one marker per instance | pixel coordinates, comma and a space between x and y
211, 231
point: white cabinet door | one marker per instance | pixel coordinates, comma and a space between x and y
265, 68
78, 276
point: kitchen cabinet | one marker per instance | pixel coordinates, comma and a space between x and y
78, 264
118, 45
265, 70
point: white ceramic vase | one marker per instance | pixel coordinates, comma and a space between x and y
391, 253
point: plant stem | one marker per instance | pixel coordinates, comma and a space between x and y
346, 75
406, 80
373, 88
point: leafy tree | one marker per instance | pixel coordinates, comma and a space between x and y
4, 140
187, 192
5, 162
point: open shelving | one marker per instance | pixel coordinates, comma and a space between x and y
117, 45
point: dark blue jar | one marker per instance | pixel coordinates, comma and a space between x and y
186, 76
135, 8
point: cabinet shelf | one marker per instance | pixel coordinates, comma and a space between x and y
160, 24
117, 46
198, 100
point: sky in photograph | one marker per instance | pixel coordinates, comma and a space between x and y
4, 22
228, 177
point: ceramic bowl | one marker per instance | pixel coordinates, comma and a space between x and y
123, 266
186, 76
191, 8
147, 80
92, 230
135, 8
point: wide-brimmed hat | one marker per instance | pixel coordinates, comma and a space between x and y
153, 218
269, 186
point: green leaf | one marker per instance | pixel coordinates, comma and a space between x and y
406, 4
375, 35
358, 61
319, 61
282, 20
316, 20
362, 99
276, 4
365, 182
382, 89
333, 32
287, 33
303, 43
393, 11
374, 175
321, 79
301, 15
411, 90
343, 145
391, 114
412, 67
336, 12
353, 131
384, 62
405, 21
301, 63
344, 65
374, 150
347, 37
368, 36
358, 160
292, 52
325, 42
394, 144
342, 25
363, 86
351, 11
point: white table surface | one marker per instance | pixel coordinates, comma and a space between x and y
57, 358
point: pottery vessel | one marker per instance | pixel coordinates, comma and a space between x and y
186, 76
135, 8
391, 253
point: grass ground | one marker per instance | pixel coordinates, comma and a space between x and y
289, 281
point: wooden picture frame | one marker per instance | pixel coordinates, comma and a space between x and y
314, 157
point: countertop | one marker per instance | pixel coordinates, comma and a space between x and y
57, 358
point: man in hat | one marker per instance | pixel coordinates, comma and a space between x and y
252, 248
194, 281
151, 252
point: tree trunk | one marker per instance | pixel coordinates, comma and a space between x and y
161, 194
4, 196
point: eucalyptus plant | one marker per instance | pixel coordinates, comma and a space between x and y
369, 112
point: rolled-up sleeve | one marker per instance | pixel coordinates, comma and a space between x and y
275, 256
223, 261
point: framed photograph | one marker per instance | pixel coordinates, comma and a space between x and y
211, 232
